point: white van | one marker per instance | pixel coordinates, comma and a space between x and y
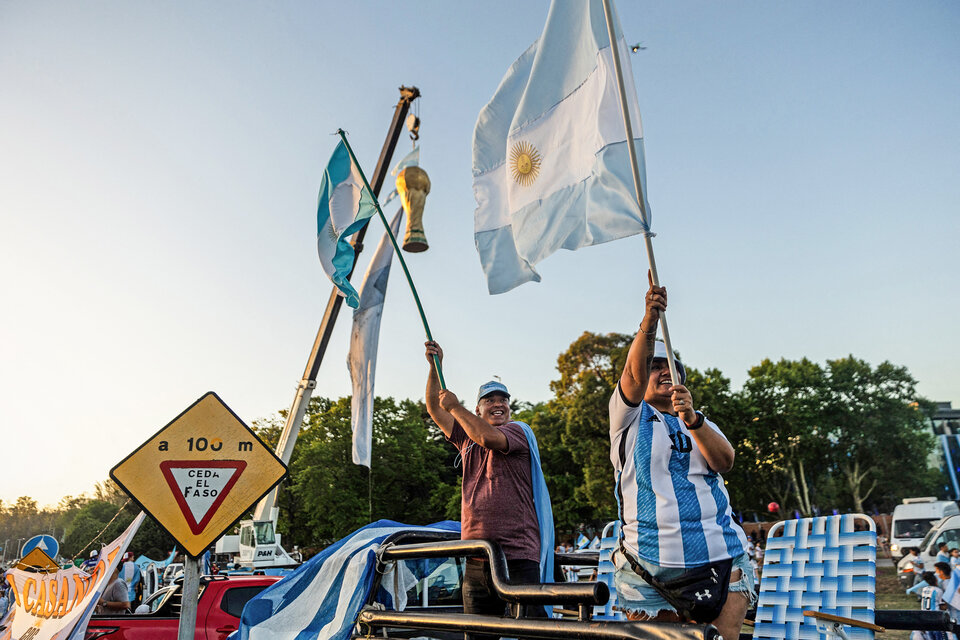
913, 519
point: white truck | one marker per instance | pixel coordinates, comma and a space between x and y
913, 519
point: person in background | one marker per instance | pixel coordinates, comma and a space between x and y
91, 562
942, 571
919, 566
943, 555
130, 574
931, 599
114, 599
907, 570
954, 559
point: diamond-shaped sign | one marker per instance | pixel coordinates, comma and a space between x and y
200, 473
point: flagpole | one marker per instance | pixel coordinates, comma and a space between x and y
396, 248
638, 186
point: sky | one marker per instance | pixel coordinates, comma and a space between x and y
159, 167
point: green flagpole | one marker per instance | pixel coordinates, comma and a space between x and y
396, 248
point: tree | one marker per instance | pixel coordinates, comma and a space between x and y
411, 480
785, 401
589, 370
874, 417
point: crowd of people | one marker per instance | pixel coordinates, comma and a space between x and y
937, 587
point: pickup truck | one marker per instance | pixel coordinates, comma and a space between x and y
218, 611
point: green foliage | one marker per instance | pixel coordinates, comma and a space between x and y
412, 478
811, 437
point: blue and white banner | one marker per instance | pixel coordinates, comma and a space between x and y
551, 167
364, 340
323, 597
343, 207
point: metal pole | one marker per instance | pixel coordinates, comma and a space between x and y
288, 438
625, 110
190, 596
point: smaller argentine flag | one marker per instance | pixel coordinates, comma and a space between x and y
343, 207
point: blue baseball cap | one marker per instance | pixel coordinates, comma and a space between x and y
660, 353
491, 387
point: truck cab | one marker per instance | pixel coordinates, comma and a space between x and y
257, 547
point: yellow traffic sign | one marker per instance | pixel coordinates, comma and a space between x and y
200, 473
37, 560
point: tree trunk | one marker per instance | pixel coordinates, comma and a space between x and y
855, 479
801, 488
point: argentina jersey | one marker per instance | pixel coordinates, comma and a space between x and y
674, 509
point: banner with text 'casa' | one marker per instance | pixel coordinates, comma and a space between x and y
58, 606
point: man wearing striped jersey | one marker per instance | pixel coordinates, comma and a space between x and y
675, 512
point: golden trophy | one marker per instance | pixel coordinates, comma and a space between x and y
413, 185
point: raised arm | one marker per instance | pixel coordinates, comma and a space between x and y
636, 371
441, 416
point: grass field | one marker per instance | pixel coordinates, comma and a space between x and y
890, 595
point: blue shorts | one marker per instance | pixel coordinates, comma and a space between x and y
636, 596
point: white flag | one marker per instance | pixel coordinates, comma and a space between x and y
362, 359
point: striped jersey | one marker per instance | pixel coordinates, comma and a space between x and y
674, 509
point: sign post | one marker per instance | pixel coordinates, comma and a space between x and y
191, 597
197, 476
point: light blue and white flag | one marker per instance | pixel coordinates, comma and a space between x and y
582, 542
343, 207
323, 597
364, 339
551, 167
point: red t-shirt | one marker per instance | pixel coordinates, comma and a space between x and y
497, 499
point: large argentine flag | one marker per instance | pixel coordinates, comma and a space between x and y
550, 162
364, 339
343, 207
322, 598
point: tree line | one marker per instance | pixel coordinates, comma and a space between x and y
810, 438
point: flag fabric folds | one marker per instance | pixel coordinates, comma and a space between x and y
364, 338
343, 207
551, 165
323, 597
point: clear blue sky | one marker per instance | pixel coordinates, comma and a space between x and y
159, 165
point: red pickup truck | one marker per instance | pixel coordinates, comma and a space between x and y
218, 611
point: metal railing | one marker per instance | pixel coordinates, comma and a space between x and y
583, 596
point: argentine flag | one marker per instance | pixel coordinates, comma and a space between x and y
551, 167
343, 207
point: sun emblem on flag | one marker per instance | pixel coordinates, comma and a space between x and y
332, 231
524, 163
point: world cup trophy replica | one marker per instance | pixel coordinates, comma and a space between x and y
413, 185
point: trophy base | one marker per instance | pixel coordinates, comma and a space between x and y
415, 242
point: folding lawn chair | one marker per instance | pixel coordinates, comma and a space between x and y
819, 580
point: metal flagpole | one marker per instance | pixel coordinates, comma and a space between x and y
625, 109
396, 248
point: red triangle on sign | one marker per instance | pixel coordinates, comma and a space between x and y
200, 486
